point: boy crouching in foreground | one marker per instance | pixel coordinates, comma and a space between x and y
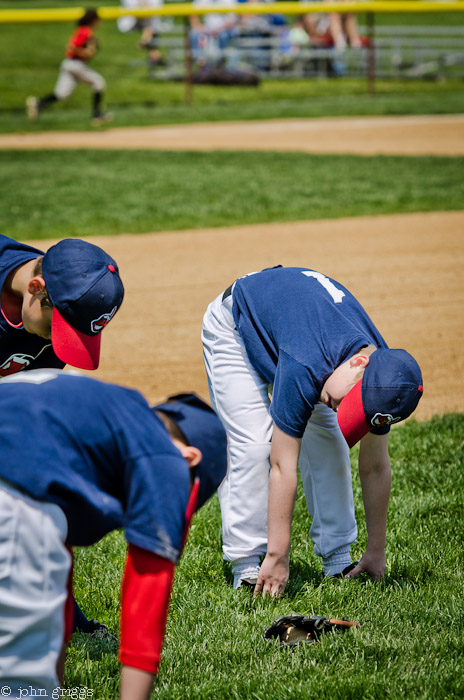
78, 459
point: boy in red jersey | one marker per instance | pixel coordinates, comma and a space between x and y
81, 48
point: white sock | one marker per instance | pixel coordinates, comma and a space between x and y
338, 560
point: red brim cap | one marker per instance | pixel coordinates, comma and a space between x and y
351, 417
72, 347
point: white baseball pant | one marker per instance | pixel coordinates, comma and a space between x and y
240, 396
34, 569
73, 71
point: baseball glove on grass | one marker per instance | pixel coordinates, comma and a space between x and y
295, 629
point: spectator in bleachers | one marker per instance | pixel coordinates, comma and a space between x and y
333, 29
212, 32
266, 27
298, 37
149, 28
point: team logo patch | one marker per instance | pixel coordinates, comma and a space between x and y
380, 420
17, 362
98, 324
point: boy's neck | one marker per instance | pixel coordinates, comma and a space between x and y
13, 290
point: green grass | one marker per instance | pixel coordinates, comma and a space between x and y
55, 193
411, 645
146, 103
30, 55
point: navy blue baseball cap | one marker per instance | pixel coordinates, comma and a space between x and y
203, 429
85, 289
388, 393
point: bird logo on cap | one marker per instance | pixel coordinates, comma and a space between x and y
380, 420
98, 324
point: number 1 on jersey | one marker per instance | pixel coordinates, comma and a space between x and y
336, 294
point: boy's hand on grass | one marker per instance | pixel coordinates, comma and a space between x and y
273, 576
370, 563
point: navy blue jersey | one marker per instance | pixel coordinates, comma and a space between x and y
298, 326
99, 452
18, 349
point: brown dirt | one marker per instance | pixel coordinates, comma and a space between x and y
408, 135
405, 269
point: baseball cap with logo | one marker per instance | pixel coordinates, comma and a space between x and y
388, 393
203, 429
86, 291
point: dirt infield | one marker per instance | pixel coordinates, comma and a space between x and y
408, 135
405, 269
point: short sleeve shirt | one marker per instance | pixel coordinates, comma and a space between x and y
100, 453
298, 326
78, 40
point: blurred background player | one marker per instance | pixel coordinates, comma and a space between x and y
81, 48
334, 382
80, 474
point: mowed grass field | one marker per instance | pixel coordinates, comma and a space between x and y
75, 193
412, 642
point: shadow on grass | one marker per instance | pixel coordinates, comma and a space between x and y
301, 573
404, 577
93, 646
227, 573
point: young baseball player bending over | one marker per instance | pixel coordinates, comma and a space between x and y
81, 48
334, 382
96, 458
54, 306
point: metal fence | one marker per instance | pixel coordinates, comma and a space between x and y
399, 52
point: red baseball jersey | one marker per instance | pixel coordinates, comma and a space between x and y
78, 40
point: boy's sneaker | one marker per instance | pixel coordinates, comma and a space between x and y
343, 573
103, 118
246, 578
100, 631
32, 108
248, 582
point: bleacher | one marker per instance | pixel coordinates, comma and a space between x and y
399, 52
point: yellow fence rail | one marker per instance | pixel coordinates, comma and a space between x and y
72, 14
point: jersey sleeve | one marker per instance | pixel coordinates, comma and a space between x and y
294, 396
156, 488
80, 38
146, 590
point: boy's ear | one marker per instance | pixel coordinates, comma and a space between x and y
192, 454
359, 361
36, 285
